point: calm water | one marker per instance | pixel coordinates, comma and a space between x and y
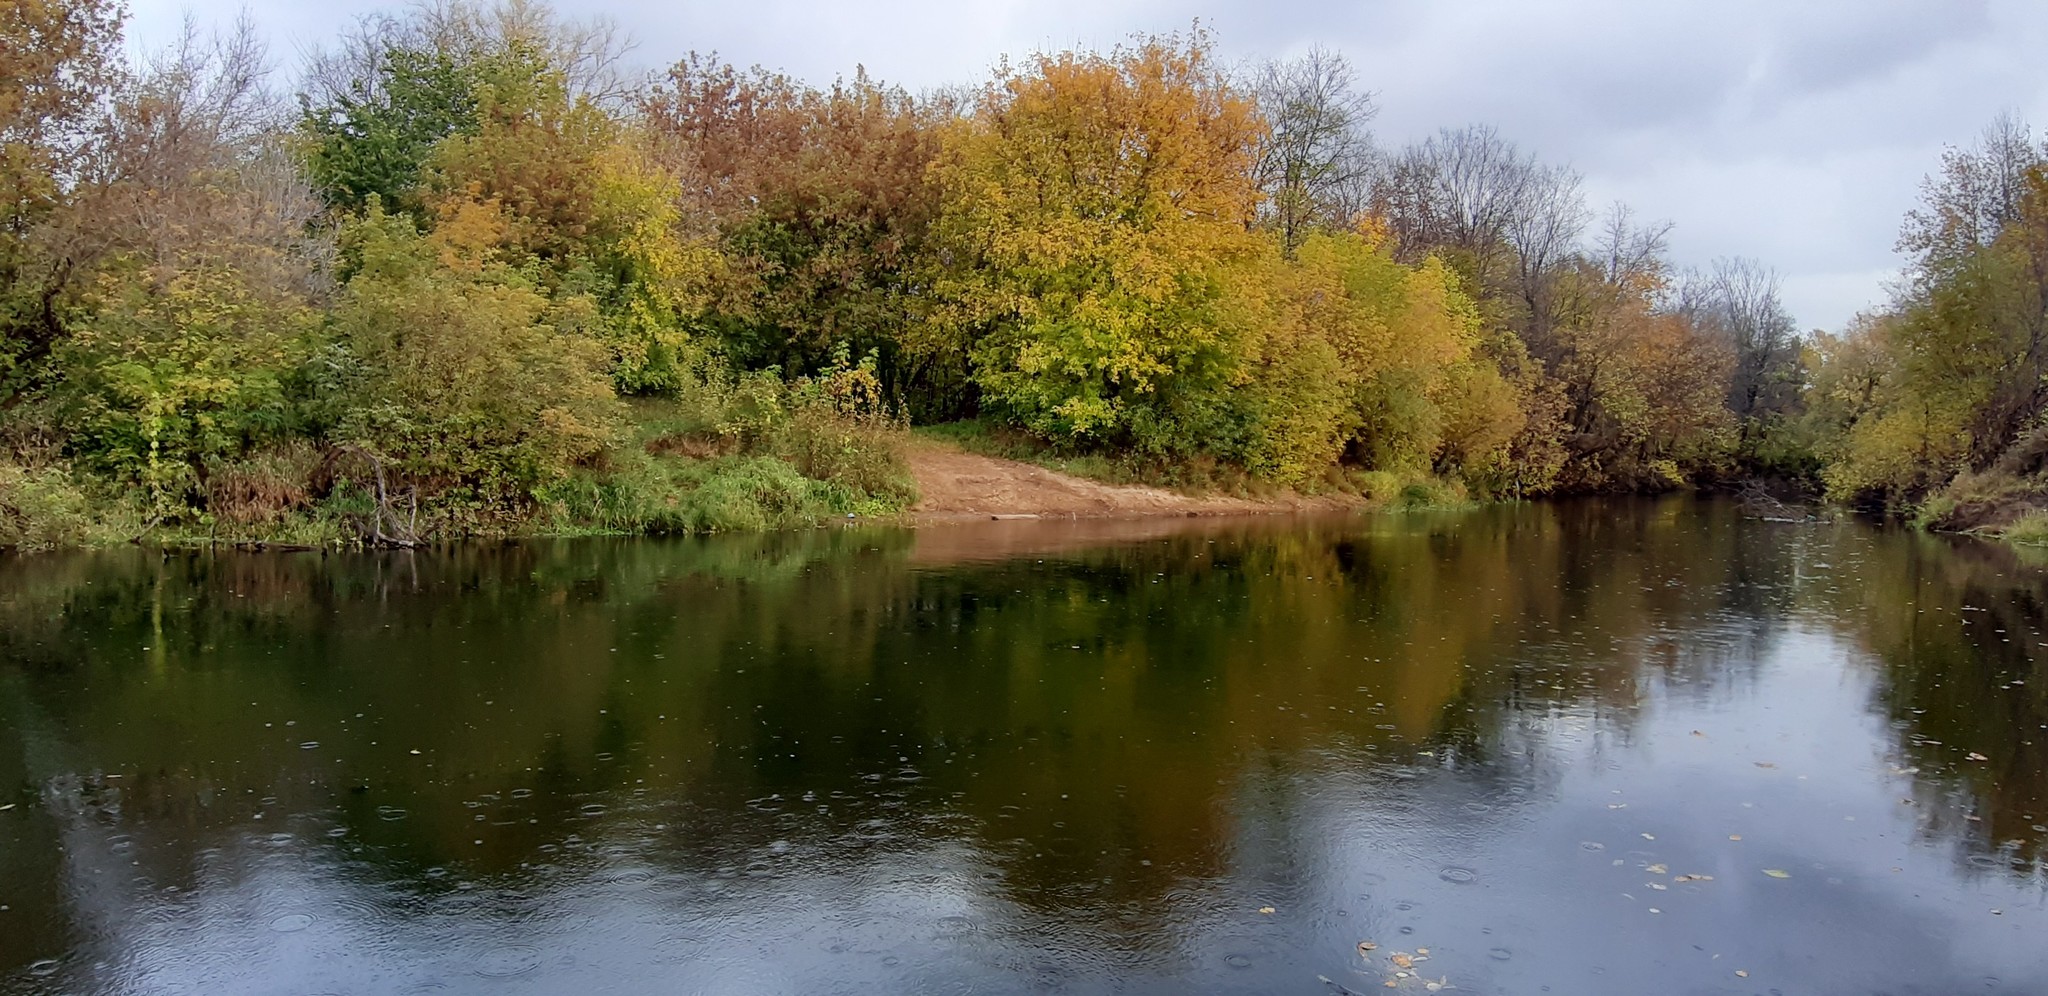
1575, 748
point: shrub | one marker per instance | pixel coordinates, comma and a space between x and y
45, 507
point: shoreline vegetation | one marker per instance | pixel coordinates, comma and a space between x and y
466, 272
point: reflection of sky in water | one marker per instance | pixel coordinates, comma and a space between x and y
1394, 742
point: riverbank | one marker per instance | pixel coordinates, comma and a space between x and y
674, 482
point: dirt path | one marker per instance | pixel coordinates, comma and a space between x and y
958, 486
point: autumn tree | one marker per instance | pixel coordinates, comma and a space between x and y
374, 106
58, 60
1316, 158
821, 205
1086, 206
1460, 191
1737, 299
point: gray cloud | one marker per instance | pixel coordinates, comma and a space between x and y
1793, 132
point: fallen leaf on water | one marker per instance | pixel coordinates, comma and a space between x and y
1734, 836
1422, 951
1657, 869
1777, 873
1694, 878
1266, 909
1391, 983
1649, 836
1740, 974
1403, 961
1698, 733
1367, 946
1654, 909
1659, 886
1974, 756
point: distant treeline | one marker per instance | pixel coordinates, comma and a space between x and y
470, 272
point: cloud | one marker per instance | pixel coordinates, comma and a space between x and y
1796, 133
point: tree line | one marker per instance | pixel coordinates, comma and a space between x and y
469, 271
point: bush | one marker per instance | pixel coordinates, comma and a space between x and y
165, 379
264, 487
44, 507
449, 381
2030, 529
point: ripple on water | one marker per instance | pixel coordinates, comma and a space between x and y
953, 927
506, 962
390, 813
1457, 876
1499, 954
291, 923
1237, 961
44, 968
1591, 845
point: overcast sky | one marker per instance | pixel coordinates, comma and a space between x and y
1794, 131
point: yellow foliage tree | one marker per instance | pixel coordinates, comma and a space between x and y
1089, 206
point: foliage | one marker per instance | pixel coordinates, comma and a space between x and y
46, 507
163, 380
451, 378
57, 62
1087, 209
433, 292
821, 205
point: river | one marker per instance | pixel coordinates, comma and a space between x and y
1577, 747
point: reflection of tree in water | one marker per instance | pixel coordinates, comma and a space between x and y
1084, 724
1957, 629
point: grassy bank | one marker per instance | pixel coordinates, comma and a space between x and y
747, 457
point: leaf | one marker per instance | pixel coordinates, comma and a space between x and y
1403, 961
1367, 946
1974, 756
1777, 873
1267, 909
1657, 869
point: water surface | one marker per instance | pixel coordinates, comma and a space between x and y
1591, 747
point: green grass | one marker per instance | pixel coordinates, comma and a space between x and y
2030, 529
43, 508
